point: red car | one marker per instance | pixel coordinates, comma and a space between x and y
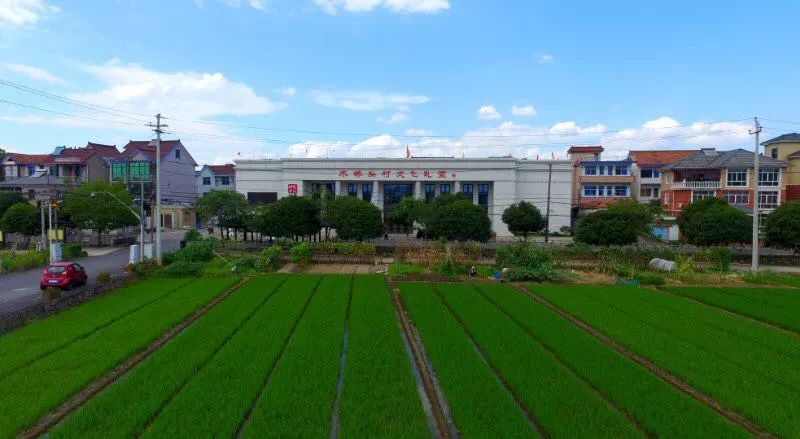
64, 275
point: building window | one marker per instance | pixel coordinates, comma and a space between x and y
177, 153
774, 153
590, 170
767, 200
330, 188
483, 196
366, 191
737, 177
648, 192
140, 171
737, 197
430, 192
467, 189
666, 198
206, 181
601, 170
650, 173
701, 195
590, 191
621, 170
118, 171
444, 188
620, 191
352, 189
768, 176
31, 169
225, 181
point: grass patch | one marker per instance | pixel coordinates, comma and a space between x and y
404, 269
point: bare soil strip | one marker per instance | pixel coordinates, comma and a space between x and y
334, 433
443, 421
54, 417
246, 419
524, 408
635, 422
676, 382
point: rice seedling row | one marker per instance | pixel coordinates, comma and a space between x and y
30, 392
761, 304
124, 409
706, 358
483, 408
663, 410
45, 336
379, 396
298, 399
216, 401
562, 404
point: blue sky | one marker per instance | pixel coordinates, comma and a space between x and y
368, 77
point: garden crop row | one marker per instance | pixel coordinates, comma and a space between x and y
124, 409
771, 305
216, 400
55, 332
29, 392
379, 397
480, 406
744, 365
562, 404
298, 399
658, 407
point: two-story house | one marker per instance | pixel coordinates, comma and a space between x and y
723, 174
136, 167
597, 182
216, 177
646, 171
787, 148
77, 165
16, 165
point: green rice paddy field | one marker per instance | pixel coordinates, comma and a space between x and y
326, 356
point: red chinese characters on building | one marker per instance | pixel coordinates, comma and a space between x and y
414, 174
441, 174
371, 174
386, 173
426, 174
292, 189
396, 173
400, 174
358, 173
343, 173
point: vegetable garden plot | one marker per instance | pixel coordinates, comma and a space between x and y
483, 408
42, 337
562, 404
124, 409
765, 304
218, 398
298, 398
379, 396
741, 375
29, 392
660, 408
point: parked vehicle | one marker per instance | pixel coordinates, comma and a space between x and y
64, 275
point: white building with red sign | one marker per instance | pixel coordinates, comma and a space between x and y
494, 183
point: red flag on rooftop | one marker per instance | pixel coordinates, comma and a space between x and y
408, 152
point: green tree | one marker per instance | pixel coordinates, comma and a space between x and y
410, 210
523, 218
296, 216
228, 207
21, 218
782, 226
619, 224
459, 220
8, 199
354, 218
264, 220
712, 221
91, 206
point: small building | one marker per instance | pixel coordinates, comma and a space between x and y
597, 182
646, 171
16, 165
77, 165
216, 177
37, 188
787, 148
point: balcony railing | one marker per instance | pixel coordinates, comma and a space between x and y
696, 185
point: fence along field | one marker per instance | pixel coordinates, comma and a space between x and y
744, 365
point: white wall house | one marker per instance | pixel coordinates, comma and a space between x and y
494, 183
212, 177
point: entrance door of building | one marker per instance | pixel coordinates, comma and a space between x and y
392, 194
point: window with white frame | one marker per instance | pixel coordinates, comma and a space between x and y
621, 170
650, 173
206, 181
737, 197
767, 200
590, 191
648, 192
737, 177
590, 170
768, 177
620, 191
701, 195
605, 191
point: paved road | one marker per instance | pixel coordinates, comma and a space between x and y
21, 289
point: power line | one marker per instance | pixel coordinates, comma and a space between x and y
78, 116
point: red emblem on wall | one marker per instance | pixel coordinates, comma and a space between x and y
292, 188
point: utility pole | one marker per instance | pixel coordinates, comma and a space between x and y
756, 130
547, 212
157, 217
141, 217
44, 240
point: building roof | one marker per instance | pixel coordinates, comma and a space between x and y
24, 159
105, 151
784, 138
660, 158
576, 148
148, 147
44, 179
71, 155
710, 158
223, 169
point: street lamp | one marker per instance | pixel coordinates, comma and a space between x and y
138, 217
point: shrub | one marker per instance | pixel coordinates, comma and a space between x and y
447, 267
269, 259
217, 267
544, 272
762, 277
103, 277
144, 268
182, 269
244, 264
485, 271
647, 278
198, 251
404, 269
192, 235
72, 251
721, 257
301, 254
171, 256
526, 262
12, 261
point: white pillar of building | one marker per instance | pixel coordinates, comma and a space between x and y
337, 188
376, 198
456, 187
417, 189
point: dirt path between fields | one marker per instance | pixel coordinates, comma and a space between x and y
55, 416
442, 418
334, 431
671, 379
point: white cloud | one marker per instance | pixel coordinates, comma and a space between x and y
34, 73
261, 5
571, 128
393, 119
545, 58
366, 100
332, 7
418, 132
285, 91
22, 12
526, 111
488, 112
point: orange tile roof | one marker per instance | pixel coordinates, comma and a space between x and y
662, 157
576, 148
